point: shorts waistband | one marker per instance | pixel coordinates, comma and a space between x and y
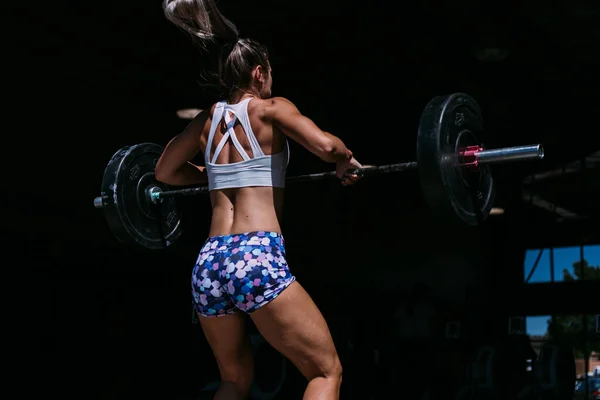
255, 238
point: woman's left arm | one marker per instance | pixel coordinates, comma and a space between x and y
174, 166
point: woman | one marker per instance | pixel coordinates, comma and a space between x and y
241, 268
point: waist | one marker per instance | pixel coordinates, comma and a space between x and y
254, 238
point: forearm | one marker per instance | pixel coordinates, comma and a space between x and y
188, 174
338, 150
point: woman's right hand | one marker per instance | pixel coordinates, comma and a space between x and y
343, 171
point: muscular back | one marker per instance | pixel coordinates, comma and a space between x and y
237, 210
250, 208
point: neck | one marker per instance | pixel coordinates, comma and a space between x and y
242, 94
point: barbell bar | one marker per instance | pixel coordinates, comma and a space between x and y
452, 163
479, 156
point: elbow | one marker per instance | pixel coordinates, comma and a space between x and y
161, 178
164, 171
327, 146
327, 150
331, 151
161, 175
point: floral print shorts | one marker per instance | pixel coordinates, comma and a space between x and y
239, 272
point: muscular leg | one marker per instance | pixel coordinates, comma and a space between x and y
230, 344
294, 326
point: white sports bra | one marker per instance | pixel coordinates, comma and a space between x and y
260, 170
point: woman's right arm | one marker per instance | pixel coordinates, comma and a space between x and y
285, 116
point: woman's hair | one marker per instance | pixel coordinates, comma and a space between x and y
234, 58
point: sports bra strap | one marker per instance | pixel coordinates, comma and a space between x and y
217, 115
230, 133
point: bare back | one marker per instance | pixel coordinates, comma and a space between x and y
246, 209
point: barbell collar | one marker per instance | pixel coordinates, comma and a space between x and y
153, 193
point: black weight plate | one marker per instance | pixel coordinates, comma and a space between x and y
130, 215
453, 193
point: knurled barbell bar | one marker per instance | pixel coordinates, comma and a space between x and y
477, 154
453, 168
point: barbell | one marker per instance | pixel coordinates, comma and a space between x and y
452, 163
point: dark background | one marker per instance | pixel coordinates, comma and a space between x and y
106, 321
